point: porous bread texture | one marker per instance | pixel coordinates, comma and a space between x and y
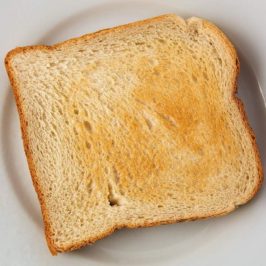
134, 126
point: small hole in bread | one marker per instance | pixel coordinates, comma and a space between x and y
75, 131
89, 186
113, 198
87, 126
54, 126
194, 78
113, 202
139, 43
148, 123
161, 40
88, 145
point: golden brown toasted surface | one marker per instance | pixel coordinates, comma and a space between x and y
138, 124
175, 108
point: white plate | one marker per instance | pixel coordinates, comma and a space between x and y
237, 239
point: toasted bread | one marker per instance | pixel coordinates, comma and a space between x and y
134, 126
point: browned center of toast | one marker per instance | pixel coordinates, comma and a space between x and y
169, 114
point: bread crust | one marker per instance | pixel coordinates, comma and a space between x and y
23, 122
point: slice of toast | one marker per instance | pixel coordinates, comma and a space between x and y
134, 126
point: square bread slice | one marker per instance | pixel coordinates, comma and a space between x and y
134, 126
